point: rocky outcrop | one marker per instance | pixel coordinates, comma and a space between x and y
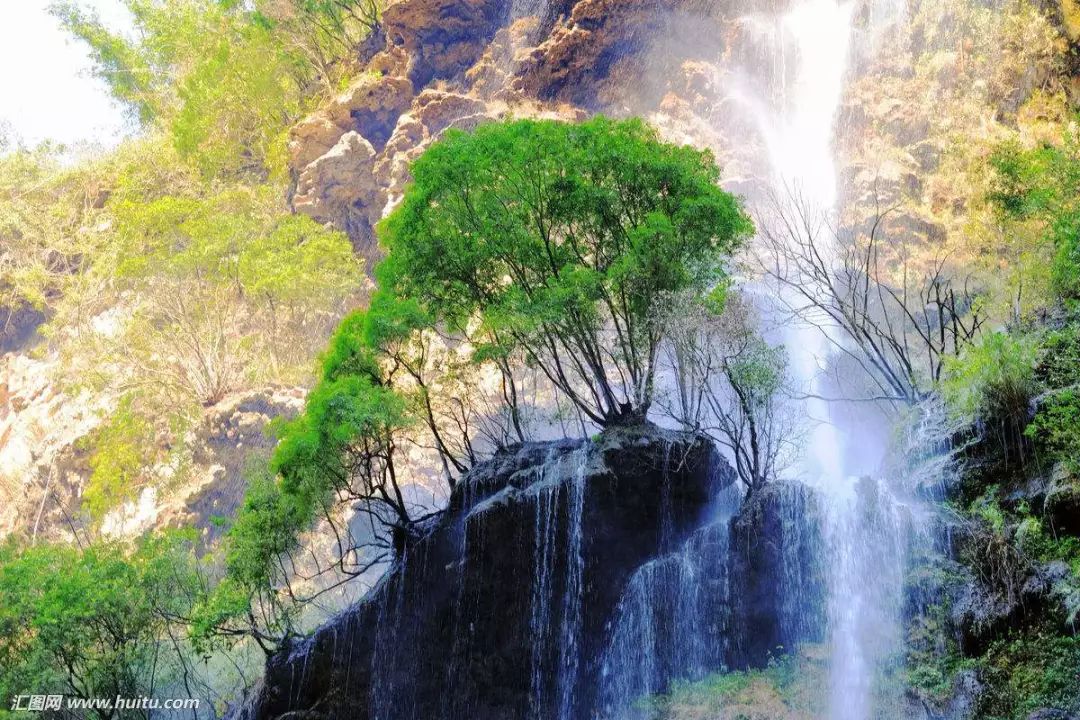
41, 465
17, 326
503, 609
442, 38
44, 457
567, 580
777, 574
453, 64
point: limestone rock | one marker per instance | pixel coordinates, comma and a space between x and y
340, 181
442, 38
371, 106
438, 110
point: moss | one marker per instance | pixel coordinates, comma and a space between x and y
933, 657
1030, 670
792, 687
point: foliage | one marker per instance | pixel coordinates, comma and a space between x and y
118, 459
789, 688
341, 453
558, 239
570, 255
1040, 186
1030, 670
88, 622
728, 383
993, 381
44, 208
932, 659
183, 293
1056, 426
224, 80
226, 284
267, 526
322, 30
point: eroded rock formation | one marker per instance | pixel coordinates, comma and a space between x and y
455, 64
567, 579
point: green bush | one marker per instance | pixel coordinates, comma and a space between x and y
1040, 186
993, 381
1029, 670
791, 687
1056, 426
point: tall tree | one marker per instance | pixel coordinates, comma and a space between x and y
558, 240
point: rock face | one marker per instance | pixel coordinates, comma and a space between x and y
777, 561
44, 462
455, 63
565, 580
501, 611
1062, 506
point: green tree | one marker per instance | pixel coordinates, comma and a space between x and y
222, 80
541, 242
94, 622
729, 383
1041, 186
559, 239
220, 289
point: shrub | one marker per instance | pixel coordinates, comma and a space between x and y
993, 383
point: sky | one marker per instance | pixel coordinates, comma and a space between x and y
46, 89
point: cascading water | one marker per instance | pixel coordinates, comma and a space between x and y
556, 598
670, 622
865, 530
672, 619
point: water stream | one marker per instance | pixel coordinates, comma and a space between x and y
555, 617
865, 527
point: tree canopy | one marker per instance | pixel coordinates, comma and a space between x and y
557, 240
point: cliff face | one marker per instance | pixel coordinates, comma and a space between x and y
563, 579
439, 64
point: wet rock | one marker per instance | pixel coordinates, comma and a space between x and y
506, 602
1062, 505
964, 698
18, 325
777, 574
983, 612
1052, 714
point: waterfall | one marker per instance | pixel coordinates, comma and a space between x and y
556, 594
865, 529
670, 623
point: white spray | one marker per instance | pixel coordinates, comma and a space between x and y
811, 44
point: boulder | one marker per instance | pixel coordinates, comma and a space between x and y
340, 187
503, 608
777, 574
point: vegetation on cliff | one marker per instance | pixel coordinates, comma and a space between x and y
524, 255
